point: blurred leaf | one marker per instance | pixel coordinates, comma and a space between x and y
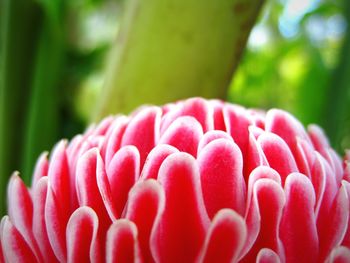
19, 35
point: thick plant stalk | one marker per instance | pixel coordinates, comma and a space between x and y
167, 50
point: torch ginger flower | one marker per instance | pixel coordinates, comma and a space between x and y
193, 181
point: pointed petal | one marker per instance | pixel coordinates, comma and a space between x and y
145, 204
58, 174
143, 131
184, 134
155, 159
41, 168
225, 238
122, 243
20, 208
14, 247
56, 220
179, 232
87, 189
81, 235
298, 226
122, 172
39, 224
222, 184
105, 189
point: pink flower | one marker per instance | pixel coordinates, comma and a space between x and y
194, 181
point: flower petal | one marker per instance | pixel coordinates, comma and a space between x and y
211, 136
339, 255
225, 238
278, 154
114, 141
14, 247
81, 235
271, 200
145, 204
41, 168
267, 255
222, 184
122, 243
122, 172
336, 224
143, 131
155, 159
298, 226
39, 224
184, 134
20, 209
179, 232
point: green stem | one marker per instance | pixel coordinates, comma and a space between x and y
167, 50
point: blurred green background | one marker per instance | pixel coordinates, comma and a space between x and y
54, 58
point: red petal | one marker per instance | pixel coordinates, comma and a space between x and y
58, 174
318, 138
255, 156
271, 200
179, 232
184, 134
114, 141
278, 154
286, 126
39, 224
56, 220
219, 123
87, 189
237, 123
252, 214
143, 131
14, 247
222, 184
146, 203
266, 255
335, 226
121, 243
298, 226
41, 168
211, 136
339, 255
122, 172
225, 238
197, 108
58, 205
20, 209
81, 234
155, 159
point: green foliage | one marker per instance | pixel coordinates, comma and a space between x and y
297, 73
